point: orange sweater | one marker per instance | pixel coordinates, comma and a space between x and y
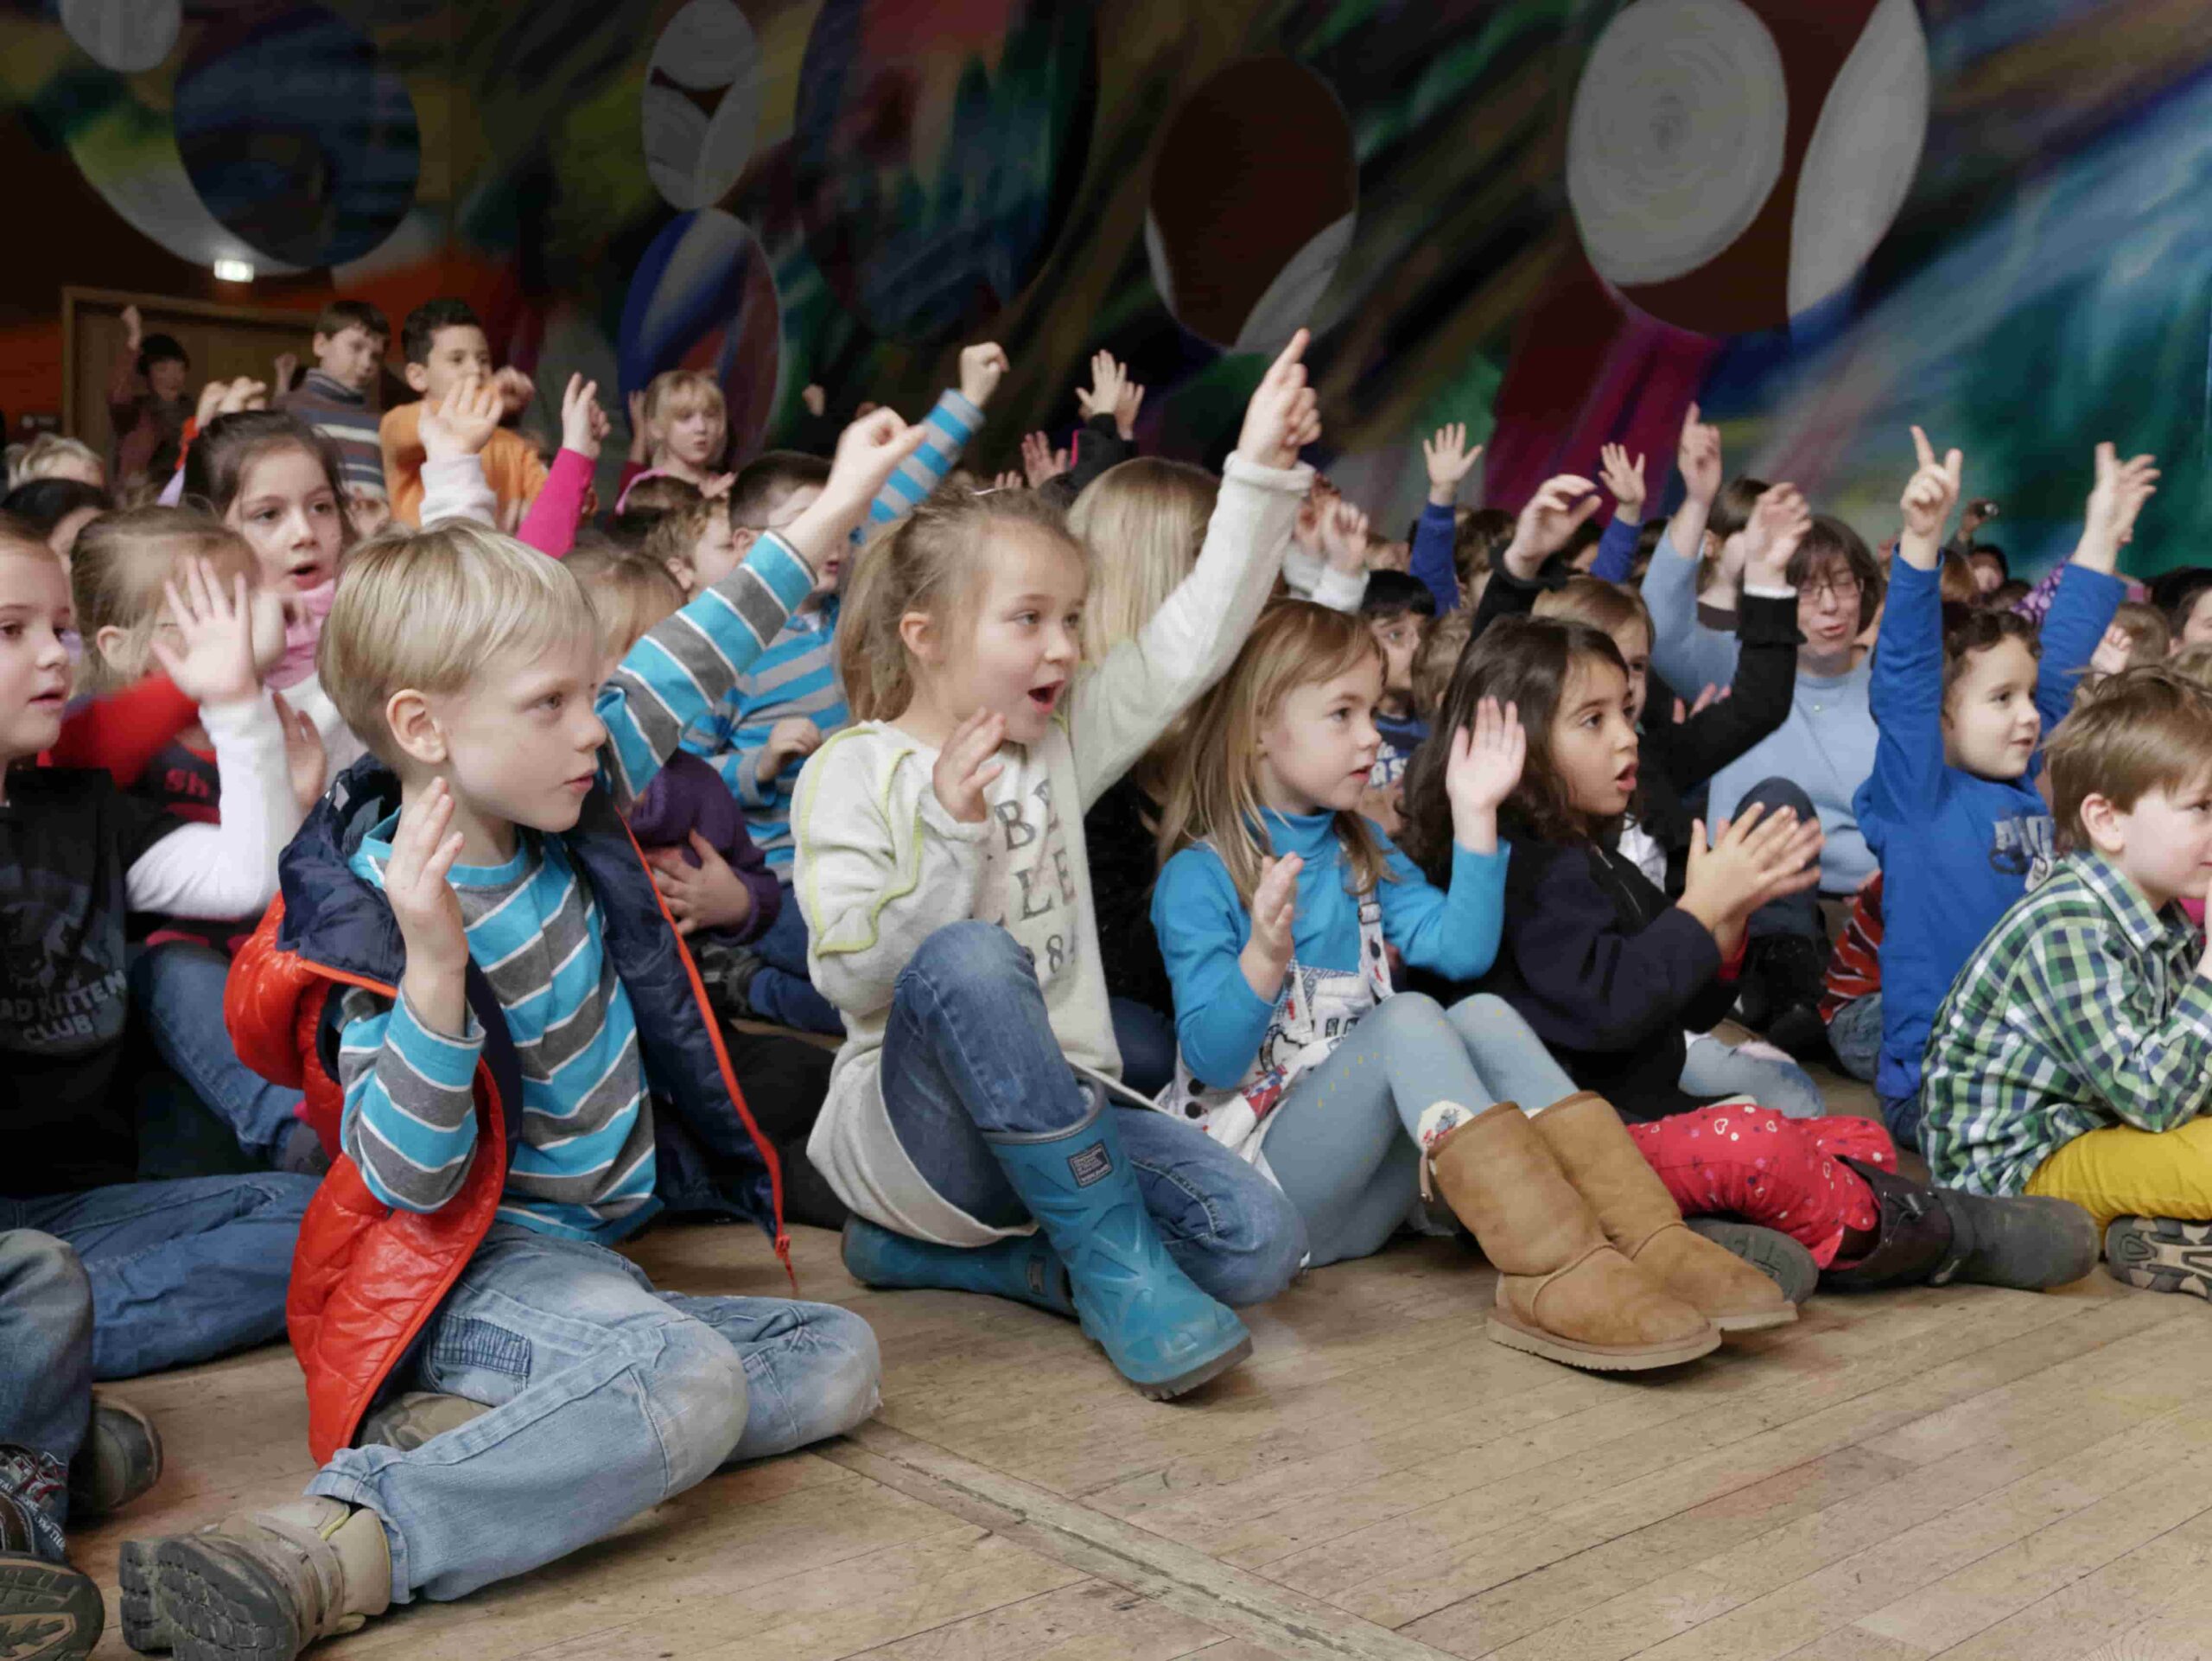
510, 466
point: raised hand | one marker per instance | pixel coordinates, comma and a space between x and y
1267, 955
1449, 458
243, 393
1625, 479
213, 663
305, 759
1548, 523
367, 514
967, 764
1706, 700
287, 365
423, 904
1340, 530
584, 425
707, 895
515, 390
1778, 523
1107, 377
134, 328
1697, 456
868, 453
1039, 460
1283, 417
2121, 489
1929, 497
1482, 771
983, 366
210, 401
1010, 479
462, 422
1126, 408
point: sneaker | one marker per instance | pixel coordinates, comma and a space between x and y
262, 1587
2160, 1254
120, 1460
49, 1610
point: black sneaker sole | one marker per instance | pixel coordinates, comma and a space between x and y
221, 1604
2161, 1255
48, 1612
145, 1628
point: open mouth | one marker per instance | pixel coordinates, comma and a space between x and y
1044, 697
1625, 780
307, 573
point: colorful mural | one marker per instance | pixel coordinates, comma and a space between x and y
1557, 220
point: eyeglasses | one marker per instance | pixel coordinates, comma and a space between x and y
1836, 587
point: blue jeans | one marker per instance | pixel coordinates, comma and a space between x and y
1796, 913
178, 988
1712, 1068
969, 1050
780, 990
180, 1272
1903, 1115
1855, 1035
608, 1398
46, 1344
1342, 1142
1145, 1039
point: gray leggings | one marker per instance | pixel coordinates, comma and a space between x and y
1342, 1142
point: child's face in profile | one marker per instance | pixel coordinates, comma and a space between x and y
1990, 720
1015, 650
291, 517
33, 657
521, 740
2165, 842
1594, 743
1317, 744
455, 352
714, 556
352, 357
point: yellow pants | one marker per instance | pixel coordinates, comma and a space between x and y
2122, 1172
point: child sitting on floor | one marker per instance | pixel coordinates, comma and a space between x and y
974, 1124
1273, 910
2073, 1056
1951, 807
469, 965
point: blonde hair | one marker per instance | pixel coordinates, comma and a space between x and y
629, 593
929, 562
1214, 797
675, 393
48, 456
1142, 522
1438, 656
1604, 606
115, 574
431, 609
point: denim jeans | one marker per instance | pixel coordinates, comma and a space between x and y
178, 989
1712, 1068
180, 1272
1796, 913
780, 990
1855, 1035
1145, 1039
1342, 1142
46, 1344
969, 1050
608, 1398
1903, 1116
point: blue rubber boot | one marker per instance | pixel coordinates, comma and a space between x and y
1160, 1332
1024, 1268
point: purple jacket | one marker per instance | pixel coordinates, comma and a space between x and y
687, 795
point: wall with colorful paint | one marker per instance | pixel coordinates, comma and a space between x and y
1557, 220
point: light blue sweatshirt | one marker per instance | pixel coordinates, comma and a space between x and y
1203, 926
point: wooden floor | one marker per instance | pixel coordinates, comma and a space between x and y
1991, 1476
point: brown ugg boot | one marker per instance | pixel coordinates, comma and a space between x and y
1563, 1292
1641, 1218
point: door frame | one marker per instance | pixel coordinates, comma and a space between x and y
117, 299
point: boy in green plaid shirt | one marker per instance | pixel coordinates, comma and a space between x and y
2073, 1058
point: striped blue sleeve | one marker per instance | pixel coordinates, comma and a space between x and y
681, 670
951, 424
409, 1123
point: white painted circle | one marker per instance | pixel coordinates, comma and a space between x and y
1676, 139
692, 157
124, 35
1863, 155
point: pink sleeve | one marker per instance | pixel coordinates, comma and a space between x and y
550, 525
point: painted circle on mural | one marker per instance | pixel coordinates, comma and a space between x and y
1253, 201
295, 135
124, 35
703, 297
1731, 163
701, 104
936, 152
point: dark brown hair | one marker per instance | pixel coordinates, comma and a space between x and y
214, 470
1527, 662
1829, 540
1968, 629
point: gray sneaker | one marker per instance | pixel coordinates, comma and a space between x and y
2160, 1254
49, 1610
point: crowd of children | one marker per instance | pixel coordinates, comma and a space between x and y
1202, 887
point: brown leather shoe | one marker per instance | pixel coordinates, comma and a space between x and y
1641, 1218
1563, 1292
